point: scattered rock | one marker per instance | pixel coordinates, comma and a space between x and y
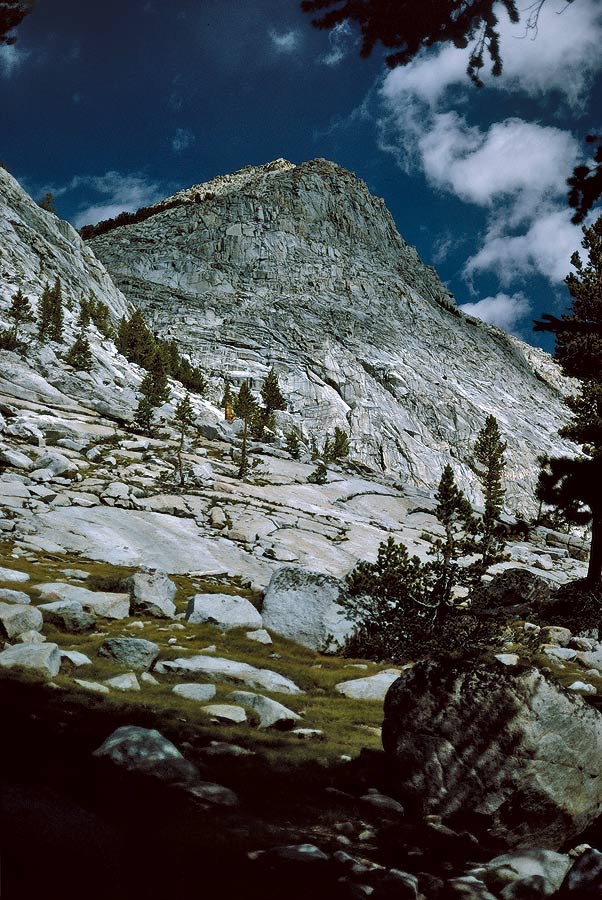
18, 617
508, 659
261, 636
147, 752
136, 653
584, 879
153, 593
198, 692
42, 658
581, 687
304, 607
75, 659
225, 713
374, 687
92, 686
271, 713
104, 604
68, 615
223, 610
504, 744
516, 588
9, 596
13, 575
555, 634
229, 670
214, 794
125, 682
31, 637
221, 748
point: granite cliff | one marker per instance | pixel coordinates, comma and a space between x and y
301, 268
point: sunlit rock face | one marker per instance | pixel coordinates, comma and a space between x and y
301, 268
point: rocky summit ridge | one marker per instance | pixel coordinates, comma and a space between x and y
299, 267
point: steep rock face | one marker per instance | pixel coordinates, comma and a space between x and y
37, 247
299, 267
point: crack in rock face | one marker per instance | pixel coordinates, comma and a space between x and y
505, 751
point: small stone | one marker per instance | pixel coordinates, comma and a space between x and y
221, 748
198, 692
31, 637
271, 713
214, 794
147, 678
308, 734
125, 682
223, 610
261, 636
555, 634
374, 687
75, 659
16, 618
226, 713
564, 653
92, 686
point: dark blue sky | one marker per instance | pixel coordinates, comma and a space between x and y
115, 105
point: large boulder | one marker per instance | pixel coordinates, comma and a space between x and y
304, 606
153, 593
68, 615
45, 659
502, 747
107, 605
18, 617
146, 752
223, 610
135, 653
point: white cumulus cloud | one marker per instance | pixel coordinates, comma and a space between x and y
503, 310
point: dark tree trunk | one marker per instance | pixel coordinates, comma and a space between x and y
594, 572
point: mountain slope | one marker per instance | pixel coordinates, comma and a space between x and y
299, 267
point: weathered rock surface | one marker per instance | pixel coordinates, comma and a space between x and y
304, 607
106, 604
504, 744
45, 659
137, 653
223, 610
68, 615
362, 333
153, 593
230, 671
18, 617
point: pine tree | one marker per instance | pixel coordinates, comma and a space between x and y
293, 445
272, 401
490, 465
574, 486
228, 401
144, 415
327, 450
246, 409
135, 339
79, 354
271, 393
314, 449
184, 418
20, 313
454, 512
55, 326
340, 447
45, 312
157, 370
84, 317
